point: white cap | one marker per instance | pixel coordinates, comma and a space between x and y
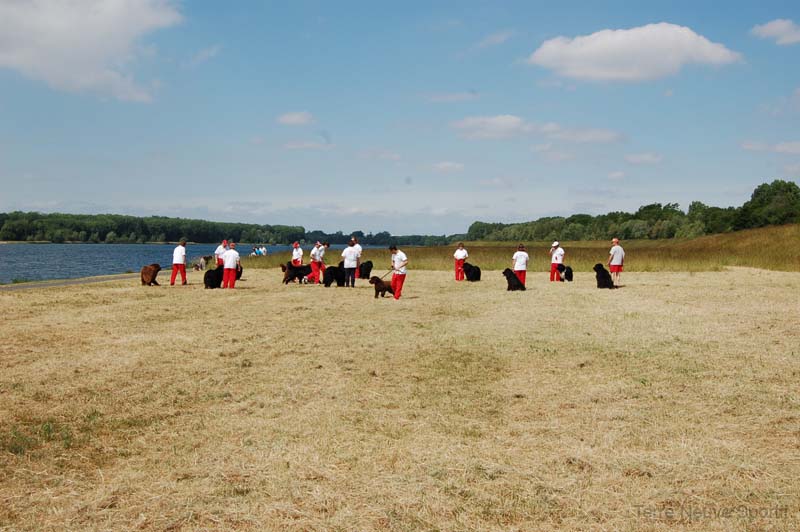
555, 243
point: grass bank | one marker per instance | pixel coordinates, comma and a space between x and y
459, 407
772, 248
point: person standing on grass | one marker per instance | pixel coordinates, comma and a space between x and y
222, 248
460, 256
360, 250
322, 250
316, 260
179, 263
556, 258
230, 260
616, 260
350, 256
519, 261
297, 254
399, 263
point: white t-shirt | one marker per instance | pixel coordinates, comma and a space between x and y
179, 255
321, 252
398, 259
219, 251
297, 254
350, 255
230, 258
460, 254
520, 259
617, 255
558, 256
358, 247
314, 253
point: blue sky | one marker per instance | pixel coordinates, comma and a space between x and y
413, 119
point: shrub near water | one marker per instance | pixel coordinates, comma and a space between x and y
773, 248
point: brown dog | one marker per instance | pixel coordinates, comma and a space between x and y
380, 286
149, 274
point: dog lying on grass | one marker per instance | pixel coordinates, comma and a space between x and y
472, 272
381, 287
149, 274
513, 281
603, 277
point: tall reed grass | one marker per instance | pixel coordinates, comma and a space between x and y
771, 248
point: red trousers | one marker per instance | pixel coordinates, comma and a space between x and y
175, 269
397, 284
358, 267
297, 262
520, 275
229, 278
315, 269
554, 275
220, 262
459, 269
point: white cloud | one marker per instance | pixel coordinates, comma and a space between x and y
616, 176
300, 118
496, 182
452, 97
792, 148
381, 155
307, 145
637, 54
644, 158
448, 166
495, 39
204, 55
82, 45
784, 31
669, 93
547, 151
510, 126
493, 127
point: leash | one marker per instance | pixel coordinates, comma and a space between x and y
387, 273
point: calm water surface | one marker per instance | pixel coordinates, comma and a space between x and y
39, 262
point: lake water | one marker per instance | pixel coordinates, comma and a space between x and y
40, 262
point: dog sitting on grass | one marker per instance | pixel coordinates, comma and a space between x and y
472, 272
149, 274
513, 281
565, 272
213, 278
381, 287
603, 277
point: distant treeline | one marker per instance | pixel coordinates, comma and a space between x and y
115, 228
775, 203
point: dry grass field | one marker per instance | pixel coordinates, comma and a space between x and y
672, 403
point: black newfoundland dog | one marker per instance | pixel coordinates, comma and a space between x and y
213, 278
381, 287
603, 277
365, 270
513, 281
333, 274
565, 272
291, 272
472, 273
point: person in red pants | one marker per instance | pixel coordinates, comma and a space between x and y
222, 248
556, 258
360, 250
230, 261
519, 261
297, 254
399, 263
316, 262
460, 256
179, 263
